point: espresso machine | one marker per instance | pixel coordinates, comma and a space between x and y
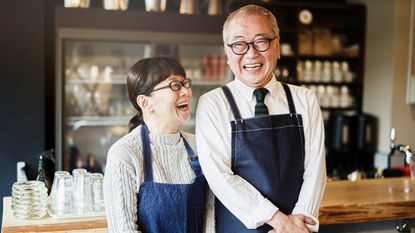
351, 143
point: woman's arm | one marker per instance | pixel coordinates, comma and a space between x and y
120, 192
210, 212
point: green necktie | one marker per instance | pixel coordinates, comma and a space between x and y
260, 107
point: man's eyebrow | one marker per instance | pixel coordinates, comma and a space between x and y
238, 37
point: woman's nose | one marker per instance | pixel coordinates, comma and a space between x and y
185, 91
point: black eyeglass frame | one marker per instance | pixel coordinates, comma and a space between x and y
269, 40
186, 83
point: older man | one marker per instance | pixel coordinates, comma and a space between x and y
261, 142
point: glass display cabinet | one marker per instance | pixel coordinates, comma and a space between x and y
93, 109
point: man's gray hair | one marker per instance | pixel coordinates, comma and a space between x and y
247, 11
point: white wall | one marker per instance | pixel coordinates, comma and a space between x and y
386, 61
403, 115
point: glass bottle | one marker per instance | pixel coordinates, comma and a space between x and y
392, 147
42, 175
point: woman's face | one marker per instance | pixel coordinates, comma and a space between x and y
170, 108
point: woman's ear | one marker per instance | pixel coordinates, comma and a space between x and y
145, 103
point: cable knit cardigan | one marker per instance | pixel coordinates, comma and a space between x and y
124, 175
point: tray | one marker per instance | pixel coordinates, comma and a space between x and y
80, 215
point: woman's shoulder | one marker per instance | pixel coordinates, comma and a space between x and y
188, 135
126, 148
190, 138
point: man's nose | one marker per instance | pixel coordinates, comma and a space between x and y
252, 52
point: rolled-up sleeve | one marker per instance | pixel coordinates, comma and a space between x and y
315, 166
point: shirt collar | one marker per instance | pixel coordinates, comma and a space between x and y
247, 92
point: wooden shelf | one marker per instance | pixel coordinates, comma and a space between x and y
100, 19
327, 83
339, 109
328, 57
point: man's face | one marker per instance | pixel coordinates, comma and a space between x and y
252, 68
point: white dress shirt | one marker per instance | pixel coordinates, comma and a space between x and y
213, 138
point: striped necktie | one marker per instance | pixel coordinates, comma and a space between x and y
260, 107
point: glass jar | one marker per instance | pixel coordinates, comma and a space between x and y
29, 200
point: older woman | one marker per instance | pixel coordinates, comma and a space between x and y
153, 182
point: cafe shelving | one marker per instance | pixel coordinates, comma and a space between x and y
92, 40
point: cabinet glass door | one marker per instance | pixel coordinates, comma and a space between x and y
206, 66
96, 108
95, 105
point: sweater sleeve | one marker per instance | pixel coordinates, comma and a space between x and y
210, 212
120, 192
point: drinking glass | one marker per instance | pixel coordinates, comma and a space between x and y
97, 192
61, 194
82, 195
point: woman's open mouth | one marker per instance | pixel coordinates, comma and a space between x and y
183, 106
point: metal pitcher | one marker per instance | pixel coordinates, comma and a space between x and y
188, 7
214, 7
156, 5
76, 3
115, 4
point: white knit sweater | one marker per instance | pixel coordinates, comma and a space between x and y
124, 174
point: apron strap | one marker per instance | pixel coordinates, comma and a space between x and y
148, 169
289, 98
193, 159
232, 103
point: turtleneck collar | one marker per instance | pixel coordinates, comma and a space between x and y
167, 139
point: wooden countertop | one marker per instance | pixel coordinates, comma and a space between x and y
49, 224
368, 200
343, 202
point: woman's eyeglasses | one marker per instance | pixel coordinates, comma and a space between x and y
177, 85
242, 47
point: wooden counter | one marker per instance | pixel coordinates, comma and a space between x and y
368, 200
343, 202
49, 224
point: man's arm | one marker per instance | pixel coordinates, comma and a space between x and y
314, 183
213, 136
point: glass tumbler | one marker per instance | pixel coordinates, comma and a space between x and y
97, 192
61, 194
29, 199
82, 194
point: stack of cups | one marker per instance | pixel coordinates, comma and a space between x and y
78, 193
82, 195
29, 199
61, 194
97, 192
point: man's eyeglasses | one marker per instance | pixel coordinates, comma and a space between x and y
242, 47
177, 85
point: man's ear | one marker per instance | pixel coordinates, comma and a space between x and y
278, 47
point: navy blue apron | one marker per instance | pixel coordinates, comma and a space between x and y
170, 208
268, 152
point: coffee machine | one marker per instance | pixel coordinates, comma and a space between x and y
351, 143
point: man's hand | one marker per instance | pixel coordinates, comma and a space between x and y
289, 224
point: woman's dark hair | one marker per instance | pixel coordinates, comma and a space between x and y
144, 75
